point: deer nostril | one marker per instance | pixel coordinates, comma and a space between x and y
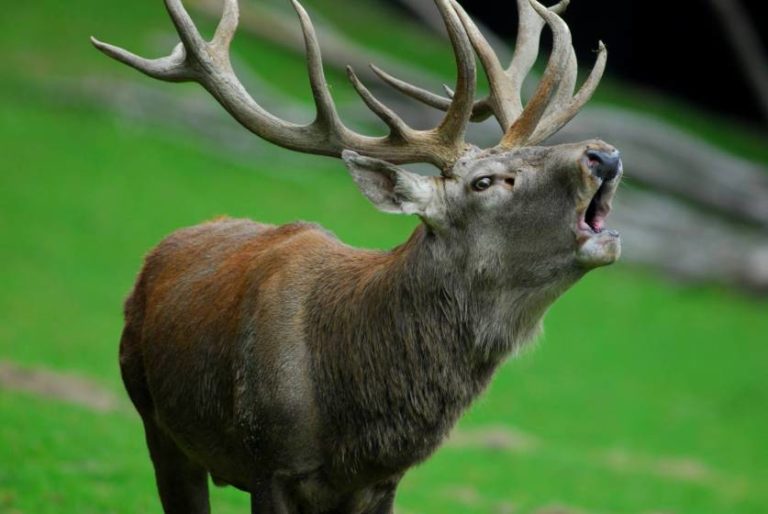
604, 165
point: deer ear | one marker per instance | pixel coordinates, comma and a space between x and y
389, 187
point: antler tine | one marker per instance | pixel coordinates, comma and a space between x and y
505, 98
227, 27
480, 110
397, 126
565, 89
563, 106
449, 134
501, 96
170, 68
194, 59
185, 27
326, 110
525, 125
454, 124
529, 29
553, 104
208, 63
565, 112
415, 92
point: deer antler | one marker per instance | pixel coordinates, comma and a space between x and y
208, 63
552, 105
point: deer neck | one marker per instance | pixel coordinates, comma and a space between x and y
408, 343
484, 307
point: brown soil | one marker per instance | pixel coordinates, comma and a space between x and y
58, 386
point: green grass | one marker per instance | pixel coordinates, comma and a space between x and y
628, 364
66, 459
642, 396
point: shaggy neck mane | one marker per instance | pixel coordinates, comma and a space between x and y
404, 342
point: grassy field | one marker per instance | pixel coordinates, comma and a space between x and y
643, 397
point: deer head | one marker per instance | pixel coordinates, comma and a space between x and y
312, 374
524, 210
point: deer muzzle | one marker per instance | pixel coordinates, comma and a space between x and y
598, 246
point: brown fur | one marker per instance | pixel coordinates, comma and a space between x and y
277, 351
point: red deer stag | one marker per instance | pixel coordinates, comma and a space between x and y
313, 375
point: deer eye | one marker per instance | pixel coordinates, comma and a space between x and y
482, 183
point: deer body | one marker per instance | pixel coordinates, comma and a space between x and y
278, 351
313, 375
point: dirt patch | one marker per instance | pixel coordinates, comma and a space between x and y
559, 509
684, 469
677, 468
499, 437
468, 496
58, 386
464, 495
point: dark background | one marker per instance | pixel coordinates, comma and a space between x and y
675, 46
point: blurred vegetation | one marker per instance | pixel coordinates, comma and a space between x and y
642, 397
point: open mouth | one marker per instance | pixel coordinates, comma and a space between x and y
598, 246
594, 217
592, 220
